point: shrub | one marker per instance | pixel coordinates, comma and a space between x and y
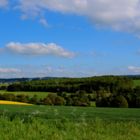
34, 99
120, 101
138, 102
9, 97
59, 101
47, 101
53, 99
22, 98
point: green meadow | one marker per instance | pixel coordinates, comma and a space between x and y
68, 123
30, 94
136, 83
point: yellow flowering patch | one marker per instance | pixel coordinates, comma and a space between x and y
12, 103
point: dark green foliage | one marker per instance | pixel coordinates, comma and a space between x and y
72, 85
78, 99
116, 101
47, 101
104, 102
3, 87
59, 101
53, 99
34, 100
120, 101
9, 97
138, 102
107, 91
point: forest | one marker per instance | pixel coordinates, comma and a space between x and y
105, 91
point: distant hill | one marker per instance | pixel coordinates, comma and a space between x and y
12, 80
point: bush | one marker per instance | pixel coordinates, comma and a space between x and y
103, 102
47, 101
53, 99
34, 99
22, 98
138, 102
59, 101
9, 97
120, 101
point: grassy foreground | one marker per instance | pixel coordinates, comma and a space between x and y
37, 129
68, 123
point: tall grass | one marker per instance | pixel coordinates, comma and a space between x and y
68, 123
39, 129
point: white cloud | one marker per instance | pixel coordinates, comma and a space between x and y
134, 69
3, 3
19, 71
44, 22
9, 70
38, 49
120, 15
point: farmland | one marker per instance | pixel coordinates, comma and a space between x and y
12, 103
30, 94
68, 123
75, 122
136, 83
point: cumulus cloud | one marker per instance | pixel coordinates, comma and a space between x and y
9, 70
3, 3
120, 15
134, 69
38, 49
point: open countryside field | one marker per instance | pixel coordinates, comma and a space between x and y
30, 94
136, 83
68, 123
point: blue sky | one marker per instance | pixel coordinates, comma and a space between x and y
69, 38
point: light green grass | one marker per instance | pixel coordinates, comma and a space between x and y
30, 94
68, 123
72, 113
37, 129
136, 83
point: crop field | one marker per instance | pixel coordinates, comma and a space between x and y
30, 94
2, 102
68, 123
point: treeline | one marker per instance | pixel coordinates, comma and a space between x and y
105, 91
110, 84
52, 99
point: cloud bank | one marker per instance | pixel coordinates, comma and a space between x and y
9, 70
134, 69
38, 49
3, 3
120, 15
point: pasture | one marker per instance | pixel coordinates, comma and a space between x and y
68, 123
136, 83
30, 94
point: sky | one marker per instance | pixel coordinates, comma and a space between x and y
69, 38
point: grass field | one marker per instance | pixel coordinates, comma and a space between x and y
30, 94
68, 123
136, 83
72, 113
